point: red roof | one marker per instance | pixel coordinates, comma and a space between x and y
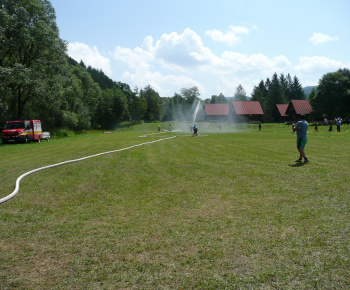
282, 108
247, 108
300, 107
216, 109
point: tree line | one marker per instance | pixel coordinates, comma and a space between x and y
331, 98
39, 81
279, 90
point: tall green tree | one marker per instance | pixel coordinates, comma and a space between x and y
169, 113
260, 94
72, 105
220, 99
179, 107
275, 96
240, 94
296, 90
288, 92
140, 107
99, 77
165, 103
89, 98
267, 84
132, 104
332, 97
191, 99
153, 112
112, 108
284, 85
31, 53
190, 94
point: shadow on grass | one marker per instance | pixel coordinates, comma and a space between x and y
299, 164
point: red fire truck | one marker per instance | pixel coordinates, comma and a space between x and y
23, 131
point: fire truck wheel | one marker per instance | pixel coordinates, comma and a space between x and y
26, 141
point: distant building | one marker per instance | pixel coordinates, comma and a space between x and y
247, 111
217, 112
297, 107
279, 112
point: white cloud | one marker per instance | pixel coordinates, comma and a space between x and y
138, 58
318, 38
185, 50
319, 64
172, 51
255, 63
163, 84
181, 60
90, 56
228, 84
231, 38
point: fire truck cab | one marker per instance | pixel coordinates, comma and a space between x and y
22, 131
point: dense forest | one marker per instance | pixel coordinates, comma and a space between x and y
39, 81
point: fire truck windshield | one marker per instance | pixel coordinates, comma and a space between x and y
14, 125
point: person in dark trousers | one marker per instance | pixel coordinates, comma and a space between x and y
316, 127
301, 129
195, 130
259, 126
338, 125
330, 126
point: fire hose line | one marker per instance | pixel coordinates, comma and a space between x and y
6, 198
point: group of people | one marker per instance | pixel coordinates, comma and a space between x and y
337, 121
300, 128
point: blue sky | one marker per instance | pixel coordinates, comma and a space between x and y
214, 45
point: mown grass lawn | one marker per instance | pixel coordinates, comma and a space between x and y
223, 210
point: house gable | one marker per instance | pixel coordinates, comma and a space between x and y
282, 108
298, 107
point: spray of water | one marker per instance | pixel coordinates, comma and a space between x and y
185, 121
195, 112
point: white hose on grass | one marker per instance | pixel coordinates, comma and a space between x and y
6, 198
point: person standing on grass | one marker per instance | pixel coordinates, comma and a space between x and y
338, 124
330, 126
195, 130
301, 129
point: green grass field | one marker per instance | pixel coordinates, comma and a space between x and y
227, 209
